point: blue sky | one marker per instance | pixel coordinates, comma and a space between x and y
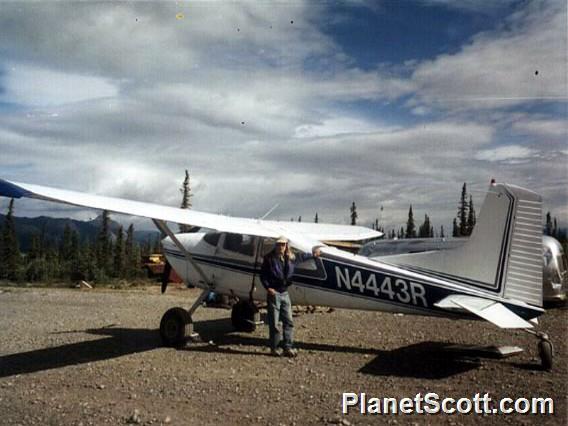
311, 105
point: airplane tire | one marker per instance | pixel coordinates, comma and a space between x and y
175, 327
545, 352
242, 316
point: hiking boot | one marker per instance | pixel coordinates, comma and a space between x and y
290, 353
275, 352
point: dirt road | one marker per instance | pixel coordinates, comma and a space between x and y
92, 357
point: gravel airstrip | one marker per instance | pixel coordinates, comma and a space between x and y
93, 357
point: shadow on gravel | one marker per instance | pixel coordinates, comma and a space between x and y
121, 341
529, 366
221, 333
426, 360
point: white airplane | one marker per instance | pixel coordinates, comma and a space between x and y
496, 276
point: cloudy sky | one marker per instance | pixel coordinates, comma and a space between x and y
311, 105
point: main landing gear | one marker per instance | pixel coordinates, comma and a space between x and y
176, 326
545, 349
245, 316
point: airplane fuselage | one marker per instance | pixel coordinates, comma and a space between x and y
337, 278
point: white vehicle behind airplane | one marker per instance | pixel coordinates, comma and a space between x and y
495, 276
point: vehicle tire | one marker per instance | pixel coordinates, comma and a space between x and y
175, 327
545, 352
243, 316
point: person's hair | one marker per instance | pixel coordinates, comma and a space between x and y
289, 253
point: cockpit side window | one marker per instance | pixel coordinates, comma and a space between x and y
311, 267
243, 244
212, 238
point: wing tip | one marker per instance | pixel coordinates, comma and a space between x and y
11, 190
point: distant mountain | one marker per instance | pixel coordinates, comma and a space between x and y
52, 229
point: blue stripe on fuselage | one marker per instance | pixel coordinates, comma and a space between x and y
367, 281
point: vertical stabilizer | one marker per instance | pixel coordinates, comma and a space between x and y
504, 253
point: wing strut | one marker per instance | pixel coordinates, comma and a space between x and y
161, 225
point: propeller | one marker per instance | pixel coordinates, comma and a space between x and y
166, 276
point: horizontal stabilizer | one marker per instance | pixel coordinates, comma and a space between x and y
494, 312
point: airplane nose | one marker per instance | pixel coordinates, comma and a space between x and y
168, 244
188, 241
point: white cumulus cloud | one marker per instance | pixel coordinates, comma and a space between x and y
36, 86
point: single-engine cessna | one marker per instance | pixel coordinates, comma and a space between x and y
495, 276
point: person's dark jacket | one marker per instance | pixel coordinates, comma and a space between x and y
276, 274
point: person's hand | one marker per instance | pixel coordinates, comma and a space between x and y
317, 252
271, 292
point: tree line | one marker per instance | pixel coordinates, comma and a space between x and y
109, 257
463, 223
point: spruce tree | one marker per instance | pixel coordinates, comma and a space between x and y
75, 269
186, 200
11, 256
353, 211
90, 261
129, 252
2, 265
410, 227
471, 219
103, 247
118, 261
35, 265
65, 253
442, 231
316, 219
462, 212
548, 226
455, 229
137, 262
52, 262
424, 229
65, 246
299, 218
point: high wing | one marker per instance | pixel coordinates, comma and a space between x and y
303, 235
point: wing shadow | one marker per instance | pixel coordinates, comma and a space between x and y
119, 342
426, 360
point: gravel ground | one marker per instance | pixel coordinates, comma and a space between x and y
93, 357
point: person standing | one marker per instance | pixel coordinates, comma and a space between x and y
277, 269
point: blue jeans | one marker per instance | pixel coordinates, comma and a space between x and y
280, 309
